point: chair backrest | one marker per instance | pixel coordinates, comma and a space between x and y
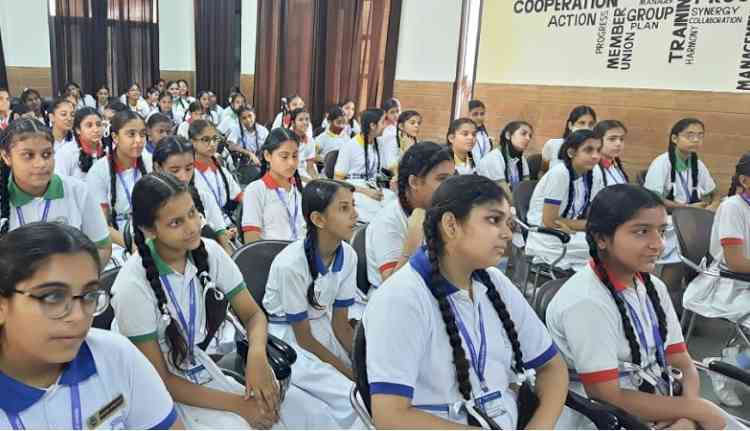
329, 165
358, 243
104, 320
254, 261
359, 365
640, 179
522, 197
544, 296
693, 228
535, 166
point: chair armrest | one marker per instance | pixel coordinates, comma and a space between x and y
603, 414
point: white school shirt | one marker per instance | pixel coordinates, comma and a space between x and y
212, 214
465, 167
182, 129
409, 354
250, 140
596, 349
351, 160
348, 129
99, 182
227, 114
286, 290
68, 201
67, 162
86, 101
306, 154
611, 171
384, 240
327, 142
67, 141
106, 367
658, 179
135, 304
141, 106
208, 179
482, 145
492, 166
277, 122
553, 189
272, 211
551, 150
179, 108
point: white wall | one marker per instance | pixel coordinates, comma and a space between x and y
249, 30
25, 32
428, 40
176, 35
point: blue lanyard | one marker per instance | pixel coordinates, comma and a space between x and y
75, 411
615, 175
478, 362
745, 198
292, 218
684, 182
660, 354
576, 213
216, 192
514, 176
125, 185
189, 328
45, 213
253, 147
481, 143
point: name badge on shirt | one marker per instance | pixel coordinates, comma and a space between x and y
105, 412
492, 404
198, 375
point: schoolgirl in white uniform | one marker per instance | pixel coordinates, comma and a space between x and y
361, 161
134, 100
352, 127
165, 108
272, 205
230, 113
179, 105
212, 178
61, 121
561, 200
76, 161
55, 371
610, 170
158, 126
5, 111
79, 100
506, 164
176, 155
407, 134
309, 291
193, 113
111, 179
184, 91
335, 135
461, 139
581, 117
245, 135
172, 296
396, 232
204, 99
483, 146
284, 119
392, 109
30, 191
307, 169
632, 353
421, 377
102, 98
730, 249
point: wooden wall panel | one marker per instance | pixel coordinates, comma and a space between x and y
432, 100
174, 75
247, 86
39, 78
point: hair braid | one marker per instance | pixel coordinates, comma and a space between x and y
618, 161
310, 245
672, 173
571, 187
694, 177
507, 321
196, 197
653, 296
403, 185
112, 189
216, 304
4, 197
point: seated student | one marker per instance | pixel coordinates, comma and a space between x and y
284, 119
152, 100
184, 92
179, 105
396, 232
204, 100
229, 114
581, 117
76, 161
461, 139
361, 162
111, 179
300, 119
74, 93
194, 113
165, 108
561, 200
176, 155
20, 111
506, 164
615, 324
392, 109
730, 249
158, 126
309, 291
213, 179
477, 112
33, 100
407, 134
610, 170
134, 101
102, 98
30, 190
172, 297
245, 135
427, 315
4, 108
335, 135
272, 205
61, 121
57, 372
352, 127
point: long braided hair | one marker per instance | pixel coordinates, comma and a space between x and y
150, 194
239, 112
600, 132
317, 197
575, 141
19, 130
370, 117
606, 216
56, 104
197, 128
173, 146
119, 121
678, 128
453, 128
418, 161
277, 137
85, 160
742, 168
575, 115
459, 195
400, 134
508, 151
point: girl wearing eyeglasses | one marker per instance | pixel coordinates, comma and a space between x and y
56, 372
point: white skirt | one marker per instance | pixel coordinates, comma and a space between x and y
717, 297
547, 248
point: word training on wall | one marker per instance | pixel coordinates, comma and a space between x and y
665, 44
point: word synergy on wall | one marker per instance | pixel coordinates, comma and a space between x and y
664, 44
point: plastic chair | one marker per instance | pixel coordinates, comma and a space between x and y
693, 228
544, 296
254, 261
329, 165
522, 193
535, 166
359, 244
104, 320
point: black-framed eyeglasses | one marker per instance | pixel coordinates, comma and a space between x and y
209, 139
58, 304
